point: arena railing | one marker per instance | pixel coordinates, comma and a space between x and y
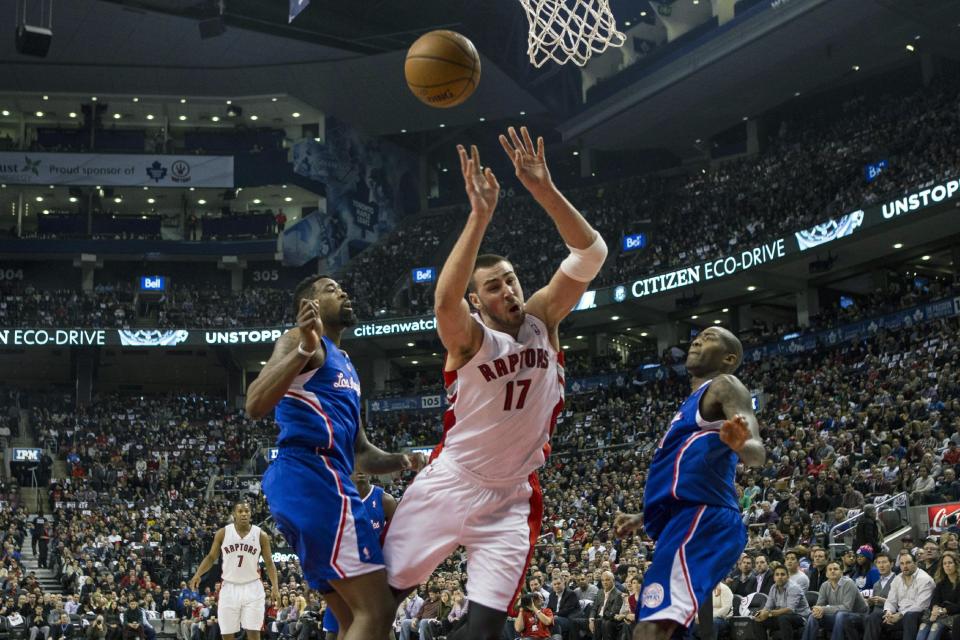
896, 506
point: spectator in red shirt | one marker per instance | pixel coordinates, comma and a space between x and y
952, 454
533, 620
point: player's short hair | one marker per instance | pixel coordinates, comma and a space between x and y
303, 290
733, 345
238, 503
484, 261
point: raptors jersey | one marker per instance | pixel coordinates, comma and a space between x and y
691, 466
504, 404
241, 556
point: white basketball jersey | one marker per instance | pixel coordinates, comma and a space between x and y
504, 404
241, 556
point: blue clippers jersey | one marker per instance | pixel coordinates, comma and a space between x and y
322, 409
374, 505
690, 466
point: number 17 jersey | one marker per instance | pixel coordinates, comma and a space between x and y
504, 404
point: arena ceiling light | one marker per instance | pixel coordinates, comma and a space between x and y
72, 114
201, 201
136, 99
39, 114
256, 201
150, 200
724, 310
644, 334
149, 116
182, 117
288, 199
694, 317
409, 344
718, 321
614, 318
183, 101
403, 130
414, 362
39, 198
925, 258
911, 48
118, 199
93, 98
46, 97
898, 245
215, 118
117, 116
855, 67
751, 288
4, 112
295, 114
254, 117
73, 198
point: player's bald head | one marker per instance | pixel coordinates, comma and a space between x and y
732, 345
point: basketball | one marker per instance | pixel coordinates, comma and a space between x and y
442, 68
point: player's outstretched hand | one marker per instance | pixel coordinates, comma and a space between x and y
311, 327
528, 160
627, 523
734, 432
415, 461
481, 185
194, 584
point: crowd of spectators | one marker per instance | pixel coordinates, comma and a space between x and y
846, 425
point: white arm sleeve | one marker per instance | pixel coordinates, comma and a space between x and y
583, 265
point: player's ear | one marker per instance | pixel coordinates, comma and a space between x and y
474, 300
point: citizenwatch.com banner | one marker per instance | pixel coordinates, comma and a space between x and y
52, 337
115, 169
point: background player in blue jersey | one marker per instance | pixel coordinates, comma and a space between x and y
690, 503
380, 506
316, 392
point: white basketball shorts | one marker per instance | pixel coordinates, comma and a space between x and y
445, 507
241, 605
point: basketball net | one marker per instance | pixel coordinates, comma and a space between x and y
570, 30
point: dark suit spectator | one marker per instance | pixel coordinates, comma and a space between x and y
564, 605
818, 569
744, 581
603, 622
763, 575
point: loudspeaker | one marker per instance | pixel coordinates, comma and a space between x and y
33, 41
212, 28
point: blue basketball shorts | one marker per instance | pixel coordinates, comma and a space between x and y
697, 548
319, 512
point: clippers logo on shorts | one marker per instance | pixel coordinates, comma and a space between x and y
526, 359
652, 595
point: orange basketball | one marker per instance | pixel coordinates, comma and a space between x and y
442, 68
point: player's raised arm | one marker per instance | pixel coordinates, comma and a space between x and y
587, 248
741, 430
458, 332
290, 354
